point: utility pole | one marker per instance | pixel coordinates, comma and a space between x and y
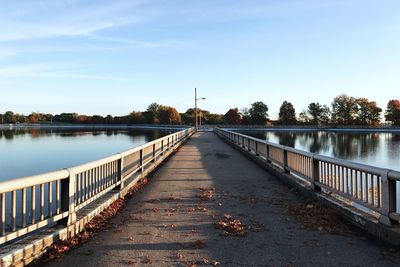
195, 105
195, 109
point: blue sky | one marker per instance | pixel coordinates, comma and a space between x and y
112, 57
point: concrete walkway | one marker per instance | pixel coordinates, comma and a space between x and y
171, 222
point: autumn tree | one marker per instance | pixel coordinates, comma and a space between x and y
287, 114
344, 110
232, 117
136, 117
33, 118
258, 113
393, 112
368, 112
168, 115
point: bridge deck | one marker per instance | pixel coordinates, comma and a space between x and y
171, 222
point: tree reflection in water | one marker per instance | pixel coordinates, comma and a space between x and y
68, 133
378, 149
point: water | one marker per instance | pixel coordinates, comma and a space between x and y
380, 149
26, 152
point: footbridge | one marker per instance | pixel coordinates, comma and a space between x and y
203, 198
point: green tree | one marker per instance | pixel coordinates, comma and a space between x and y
258, 113
304, 118
188, 117
151, 114
9, 117
318, 114
287, 114
232, 117
245, 114
393, 112
344, 110
215, 119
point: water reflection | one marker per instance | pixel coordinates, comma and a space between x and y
39, 133
377, 149
25, 152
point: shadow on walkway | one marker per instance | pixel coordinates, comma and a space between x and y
171, 222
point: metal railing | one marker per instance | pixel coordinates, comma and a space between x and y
367, 187
30, 203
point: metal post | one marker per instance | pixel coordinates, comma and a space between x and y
388, 199
285, 161
141, 162
121, 171
68, 187
154, 152
195, 104
315, 175
257, 154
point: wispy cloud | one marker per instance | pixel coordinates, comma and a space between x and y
50, 70
134, 42
5, 53
65, 18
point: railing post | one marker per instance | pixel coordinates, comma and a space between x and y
243, 145
257, 154
121, 172
154, 152
315, 175
248, 144
162, 147
268, 157
285, 161
388, 199
141, 162
68, 187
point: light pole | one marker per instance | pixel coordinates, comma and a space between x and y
195, 103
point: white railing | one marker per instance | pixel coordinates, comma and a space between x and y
30, 203
364, 186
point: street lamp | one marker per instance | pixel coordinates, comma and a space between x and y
195, 102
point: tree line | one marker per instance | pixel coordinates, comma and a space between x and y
344, 110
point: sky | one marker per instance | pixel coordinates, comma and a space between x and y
113, 57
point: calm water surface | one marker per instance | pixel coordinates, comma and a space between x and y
376, 149
26, 152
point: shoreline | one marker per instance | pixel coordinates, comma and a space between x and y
89, 126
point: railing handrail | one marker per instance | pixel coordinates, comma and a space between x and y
347, 163
13, 184
372, 187
33, 202
24, 182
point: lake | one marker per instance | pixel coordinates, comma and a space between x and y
381, 149
25, 152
